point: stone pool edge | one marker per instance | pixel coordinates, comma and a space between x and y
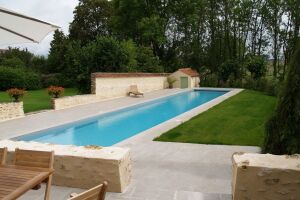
150, 134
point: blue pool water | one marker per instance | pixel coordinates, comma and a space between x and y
111, 128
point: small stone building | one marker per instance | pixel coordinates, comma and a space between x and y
186, 78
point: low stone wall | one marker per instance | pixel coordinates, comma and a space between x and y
83, 167
71, 101
111, 85
265, 176
11, 110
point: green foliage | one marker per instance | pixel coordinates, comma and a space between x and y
171, 81
105, 54
15, 53
39, 64
257, 67
209, 80
130, 50
146, 61
268, 86
35, 100
157, 36
283, 129
13, 62
57, 52
22, 58
91, 19
152, 30
56, 79
228, 68
18, 78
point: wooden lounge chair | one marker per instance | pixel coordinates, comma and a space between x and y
3, 152
39, 159
95, 193
134, 90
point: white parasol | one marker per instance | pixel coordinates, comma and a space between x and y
18, 28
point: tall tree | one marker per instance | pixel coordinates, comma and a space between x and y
56, 58
274, 11
283, 129
91, 19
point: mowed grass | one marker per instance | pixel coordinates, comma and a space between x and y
237, 121
35, 100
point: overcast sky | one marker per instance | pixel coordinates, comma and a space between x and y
59, 12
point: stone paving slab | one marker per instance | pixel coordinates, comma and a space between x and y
162, 170
172, 171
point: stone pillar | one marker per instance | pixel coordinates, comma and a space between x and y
265, 177
93, 84
11, 110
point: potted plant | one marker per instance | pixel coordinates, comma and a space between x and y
55, 91
171, 81
16, 94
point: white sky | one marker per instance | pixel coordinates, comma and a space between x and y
58, 12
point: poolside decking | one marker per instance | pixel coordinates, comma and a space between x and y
171, 171
161, 170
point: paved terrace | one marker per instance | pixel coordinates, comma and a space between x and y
161, 170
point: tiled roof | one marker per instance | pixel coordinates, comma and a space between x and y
118, 75
189, 71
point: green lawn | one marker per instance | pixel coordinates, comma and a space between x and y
36, 99
236, 121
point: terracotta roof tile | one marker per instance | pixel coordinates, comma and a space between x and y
189, 71
118, 75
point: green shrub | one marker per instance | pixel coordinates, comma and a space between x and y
230, 68
257, 67
55, 91
209, 80
50, 79
273, 87
13, 62
56, 79
171, 81
16, 94
32, 81
18, 78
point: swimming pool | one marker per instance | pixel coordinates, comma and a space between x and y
111, 128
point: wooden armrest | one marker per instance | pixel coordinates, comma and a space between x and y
37, 187
73, 195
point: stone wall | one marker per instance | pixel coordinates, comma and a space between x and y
111, 85
265, 177
11, 110
71, 101
83, 167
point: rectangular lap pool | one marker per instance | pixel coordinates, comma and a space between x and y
111, 128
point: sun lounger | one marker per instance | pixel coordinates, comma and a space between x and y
134, 90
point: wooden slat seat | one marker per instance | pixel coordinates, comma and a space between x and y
3, 152
39, 159
29, 158
16, 180
95, 193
